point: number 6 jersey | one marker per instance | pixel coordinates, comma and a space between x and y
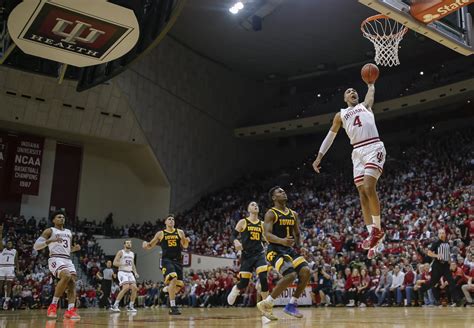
63, 248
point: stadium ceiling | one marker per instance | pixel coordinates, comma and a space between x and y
297, 37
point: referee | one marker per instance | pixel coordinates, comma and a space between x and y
106, 281
440, 252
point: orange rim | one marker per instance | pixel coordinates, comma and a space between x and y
377, 17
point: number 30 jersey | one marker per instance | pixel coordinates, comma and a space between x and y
284, 224
63, 248
359, 123
171, 245
252, 237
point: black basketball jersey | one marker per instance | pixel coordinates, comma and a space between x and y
284, 223
252, 237
171, 245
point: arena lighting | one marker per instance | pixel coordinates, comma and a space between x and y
319, 95
421, 73
236, 7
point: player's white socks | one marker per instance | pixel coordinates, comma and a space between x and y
270, 299
293, 300
55, 300
70, 306
369, 228
116, 304
130, 305
376, 219
172, 302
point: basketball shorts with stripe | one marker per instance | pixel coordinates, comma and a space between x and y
368, 160
125, 277
252, 262
56, 265
7, 273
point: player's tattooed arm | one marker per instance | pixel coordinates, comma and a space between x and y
268, 231
369, 97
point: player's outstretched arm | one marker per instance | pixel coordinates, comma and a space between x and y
239, 227
154, 241
268, 231
296, 231
184, 240
117, 258
369, 97
327, 142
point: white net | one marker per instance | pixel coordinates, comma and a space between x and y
386, 34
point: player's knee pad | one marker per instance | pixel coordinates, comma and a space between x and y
262, 276
243, 283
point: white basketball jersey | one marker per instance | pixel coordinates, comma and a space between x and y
7, 257
126, 261
63, 248
359, 124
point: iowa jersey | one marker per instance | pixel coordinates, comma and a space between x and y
252, 237
284, 224
171, 245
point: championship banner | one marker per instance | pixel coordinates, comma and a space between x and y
285, 297
27, 158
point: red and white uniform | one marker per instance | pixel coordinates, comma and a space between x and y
60, 252
7, 264
368, 156
125, 273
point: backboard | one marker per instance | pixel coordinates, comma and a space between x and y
453, 31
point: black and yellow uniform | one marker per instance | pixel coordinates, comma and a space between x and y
253, 257
278, 255
171, 259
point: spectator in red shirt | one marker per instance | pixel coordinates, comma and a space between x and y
468, 288
352, 283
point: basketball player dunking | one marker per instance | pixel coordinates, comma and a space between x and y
8, 263
172, 242
58, 240
368, 158
281, 230
127, 273
253, 257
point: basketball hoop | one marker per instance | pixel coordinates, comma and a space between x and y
385, 33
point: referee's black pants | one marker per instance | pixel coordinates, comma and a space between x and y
441, 269
106, 288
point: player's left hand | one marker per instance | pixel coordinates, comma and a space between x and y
137, 275
316, 164
76, 248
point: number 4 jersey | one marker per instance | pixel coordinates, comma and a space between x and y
368, 156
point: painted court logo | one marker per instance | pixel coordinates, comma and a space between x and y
80, 33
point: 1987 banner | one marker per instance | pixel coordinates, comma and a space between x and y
27, 158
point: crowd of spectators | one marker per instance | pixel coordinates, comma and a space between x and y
427, 187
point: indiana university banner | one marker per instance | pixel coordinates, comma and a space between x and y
27, 157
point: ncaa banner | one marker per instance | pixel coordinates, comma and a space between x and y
78, 33
285, 297
27, 158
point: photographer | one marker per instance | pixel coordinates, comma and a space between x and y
324, 287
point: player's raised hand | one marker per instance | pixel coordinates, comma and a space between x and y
316, 164
288, 242
76, 248
145, 245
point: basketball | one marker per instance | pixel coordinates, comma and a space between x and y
369, 73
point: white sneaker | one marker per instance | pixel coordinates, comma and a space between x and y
351, 303
131, 309
234, 293
362, 305
266, 308
5, 305
114, 308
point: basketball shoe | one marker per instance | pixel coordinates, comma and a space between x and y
376, 237
52, 311
292, 309
266, 308
72, 314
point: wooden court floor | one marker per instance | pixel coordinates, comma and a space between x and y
250, 317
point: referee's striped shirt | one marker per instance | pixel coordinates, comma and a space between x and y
443, 250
